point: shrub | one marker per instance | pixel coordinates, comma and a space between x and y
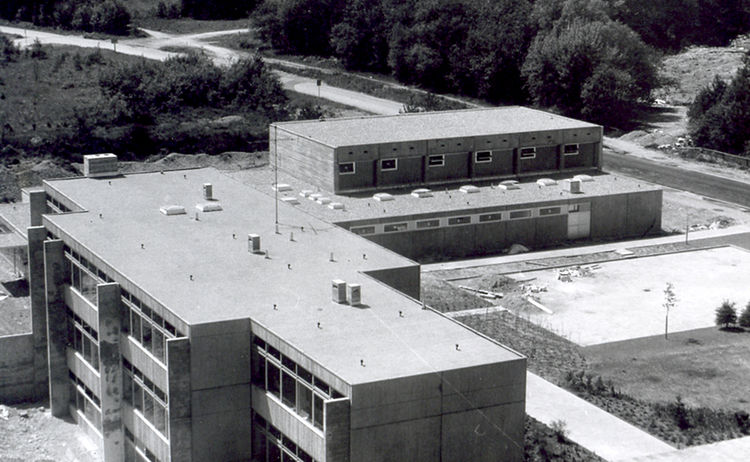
744, 320
726, 314
8, 50
560, 430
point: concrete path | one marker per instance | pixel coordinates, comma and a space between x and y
473, 311
725, 451
598, 431
575, 251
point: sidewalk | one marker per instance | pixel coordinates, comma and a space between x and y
598, 431
724, 451
575, 251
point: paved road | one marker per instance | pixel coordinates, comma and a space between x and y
702, 184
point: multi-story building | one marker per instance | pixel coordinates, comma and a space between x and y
193, 318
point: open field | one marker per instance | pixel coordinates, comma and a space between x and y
706, 367
620, 300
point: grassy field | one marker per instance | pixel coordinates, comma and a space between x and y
706, 367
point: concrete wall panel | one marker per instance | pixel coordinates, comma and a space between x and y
644, 213
16, 368
609, 216
486, 435
405, 279
220, 360
551, 230
409, 171
412, 440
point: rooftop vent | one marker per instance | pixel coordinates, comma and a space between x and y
253, 243
281, 187
290, 200
213, 207
338, 290
382, 197
584, 178
421, 193
305, 192
336, 206
99, 165
314, 196
573, 185
172, 210
208, 192
546, 182
354, 294
323, 200
468, 189
508, 184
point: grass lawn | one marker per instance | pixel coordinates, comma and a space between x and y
707, 367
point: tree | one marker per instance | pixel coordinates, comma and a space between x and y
726, 314
744, 320
670, 299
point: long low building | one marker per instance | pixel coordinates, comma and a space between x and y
374, 153
194, 318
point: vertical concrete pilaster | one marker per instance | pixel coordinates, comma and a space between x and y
337, 430
37, 294
561, 157
37, 206
110, 370
180, 409
57, 332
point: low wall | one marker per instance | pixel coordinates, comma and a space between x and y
16, 368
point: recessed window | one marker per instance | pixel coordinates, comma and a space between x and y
527, 153
572, 208
428, 224
490, 217
388, 164
520, 214
459, 220
363, 230
435, 161
570, 149
481, 157
549, 211
346, 168
395, 227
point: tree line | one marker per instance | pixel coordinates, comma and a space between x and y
106, 16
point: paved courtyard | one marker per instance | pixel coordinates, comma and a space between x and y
623, 299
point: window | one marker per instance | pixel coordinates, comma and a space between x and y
490, 217
428, 224
395, 227
481, 157
520, 214
572, 208
83, 339
362, 230
527, 153
435, 161
388, 164
148, 399
271, 445
459, 220
549, 211
346, 168
84, 400
570, 149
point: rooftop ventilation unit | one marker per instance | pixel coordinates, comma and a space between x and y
574, 185
253, 243
468, 189
314, 196
214, 207
323, 200
290, 200
208, 192
509, 184
99, 165
584, 178
281, 187
421, 193
305, 192
338, 290
172, 210
354, 294
336, 206
382, 197
546, 182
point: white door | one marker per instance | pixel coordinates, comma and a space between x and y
579, 221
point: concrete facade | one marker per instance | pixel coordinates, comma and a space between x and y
436, 148
180, 344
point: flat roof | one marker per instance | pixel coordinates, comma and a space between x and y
444, 199
17, 218
429, 125
231, 283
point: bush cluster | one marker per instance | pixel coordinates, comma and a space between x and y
106, 16
726, 315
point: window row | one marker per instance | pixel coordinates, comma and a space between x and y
270, 445
85, 400
135, 450
56, 206
145, 397
83, 281
147, 327
295, 386
83, 338
438, 160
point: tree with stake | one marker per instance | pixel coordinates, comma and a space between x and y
726, 314
670, 299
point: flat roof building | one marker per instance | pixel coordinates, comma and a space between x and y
192, 319
433, 148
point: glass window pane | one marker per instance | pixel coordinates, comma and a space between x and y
148, 406
304, 374
273, 380
304, 401
160, 418
274, 453
127, 388
94, 355
137, 396
318, 411
146, 334
158, 341
135, 325
289, 390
